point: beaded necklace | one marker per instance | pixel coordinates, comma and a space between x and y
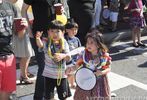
87, 59
51, 55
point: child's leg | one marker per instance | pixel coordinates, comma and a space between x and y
113, 19
63, 89
71, 80
49, 88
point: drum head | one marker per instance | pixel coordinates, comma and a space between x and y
85, 78
106, 13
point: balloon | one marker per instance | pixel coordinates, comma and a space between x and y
62, 18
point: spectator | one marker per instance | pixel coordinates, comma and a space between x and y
41, 22
7, 59
114, 10
23, 50
98, 8
136, 21
82, 11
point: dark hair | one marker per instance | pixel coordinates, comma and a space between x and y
71, 24
98, 38
55, 24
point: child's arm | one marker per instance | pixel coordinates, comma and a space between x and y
59, 56
75, 67
38, 39
106, 67
103, 72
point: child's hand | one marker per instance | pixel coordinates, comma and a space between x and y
59, 56
98, 73
38, 34
69, 70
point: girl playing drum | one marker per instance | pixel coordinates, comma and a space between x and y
96, 58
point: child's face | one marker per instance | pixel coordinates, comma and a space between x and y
91, 45
72, 31
55, 34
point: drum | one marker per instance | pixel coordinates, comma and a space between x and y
106, 13
85, 78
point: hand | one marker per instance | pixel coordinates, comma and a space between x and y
59, 56
24, 22
98, 73
39, 34
68, 70
138, 10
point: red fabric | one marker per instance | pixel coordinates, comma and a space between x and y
8, 74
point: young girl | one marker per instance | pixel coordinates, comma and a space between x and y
95, 54
55, 49
136, 21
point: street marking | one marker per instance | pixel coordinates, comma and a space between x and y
117, 81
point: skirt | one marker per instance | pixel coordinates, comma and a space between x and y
101, 91
137, 22
22, 46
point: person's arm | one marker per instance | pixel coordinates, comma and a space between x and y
23, 21
38, 39
66, 56
24, 15
12, 1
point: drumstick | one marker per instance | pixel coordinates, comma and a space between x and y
76, 51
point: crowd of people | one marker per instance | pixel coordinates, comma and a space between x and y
50, 40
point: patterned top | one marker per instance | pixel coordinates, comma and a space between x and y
7, 14
52, 69
101, 62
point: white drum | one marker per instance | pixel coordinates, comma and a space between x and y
85, 78
106, 13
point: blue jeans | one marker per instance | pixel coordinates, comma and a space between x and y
39, 86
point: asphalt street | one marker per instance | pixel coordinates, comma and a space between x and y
127, 79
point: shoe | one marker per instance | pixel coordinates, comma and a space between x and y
141, 44
113, 30
30, 75
104, 23
25, 80
135, 45
113, 95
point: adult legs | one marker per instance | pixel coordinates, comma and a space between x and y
4, 95
134, 36
98, 12
39, 86
24, 62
